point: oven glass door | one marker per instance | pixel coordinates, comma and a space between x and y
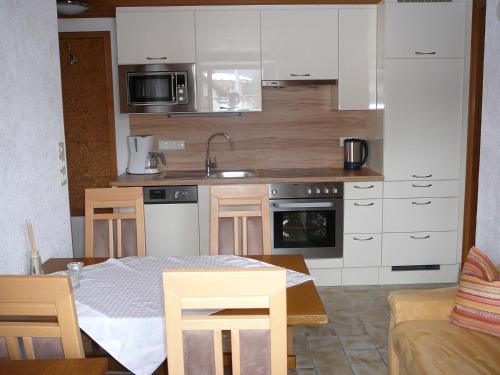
154, 88
312, 228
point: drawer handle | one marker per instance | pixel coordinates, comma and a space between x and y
156, 58
362, 239
421, 186
364, 187
300, 75
224, 107
420, 238
425, 53
364, 205
419, 176
421, 203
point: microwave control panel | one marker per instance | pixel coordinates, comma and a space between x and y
181, 88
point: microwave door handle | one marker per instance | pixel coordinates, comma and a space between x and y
303, 205
173, 84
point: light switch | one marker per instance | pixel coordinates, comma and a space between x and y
63, 172
172, 145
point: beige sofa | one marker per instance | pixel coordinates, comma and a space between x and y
423, 341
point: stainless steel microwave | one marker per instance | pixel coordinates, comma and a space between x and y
157, 88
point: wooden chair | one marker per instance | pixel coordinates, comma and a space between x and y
35, 298
114, 198
256, 288
253, 202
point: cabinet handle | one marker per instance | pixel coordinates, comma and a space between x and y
362, 239
421, 186
363, 187
425, 53
419, 176
300, 75
420, 238
224, 107
421, 203
364, 205
156, 58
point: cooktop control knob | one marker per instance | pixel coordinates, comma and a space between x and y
318, 190
309, 191
274, 191
327, 190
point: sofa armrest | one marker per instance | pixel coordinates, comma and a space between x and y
423, 304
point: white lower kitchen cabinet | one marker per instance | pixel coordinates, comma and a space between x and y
363, 216
448, 273
362, 250
172, 229
363, 190
360, 276
326, 276
421, 189
420, 214
419, 248
228, 60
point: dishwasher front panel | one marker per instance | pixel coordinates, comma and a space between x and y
172, 229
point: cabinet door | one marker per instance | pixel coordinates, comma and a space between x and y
228, 61
425, 30
154, 36
423, 119
299, 44
363, 216
357, 59
362, 250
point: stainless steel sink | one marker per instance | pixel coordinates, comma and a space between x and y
232, 174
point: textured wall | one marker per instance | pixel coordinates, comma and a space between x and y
31, 126
488, 213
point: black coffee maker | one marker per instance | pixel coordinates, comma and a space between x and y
355, 153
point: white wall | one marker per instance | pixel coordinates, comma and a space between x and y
488, 212
121, 120
31, 126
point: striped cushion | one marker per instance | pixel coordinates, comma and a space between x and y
477, 264
477, 305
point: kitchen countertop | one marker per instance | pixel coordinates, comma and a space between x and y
263, 176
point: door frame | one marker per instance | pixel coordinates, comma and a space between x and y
110, 107
474, 125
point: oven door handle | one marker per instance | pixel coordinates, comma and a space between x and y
303, 205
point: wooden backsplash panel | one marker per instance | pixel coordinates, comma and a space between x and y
296, 129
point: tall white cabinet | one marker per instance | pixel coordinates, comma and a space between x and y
424, 72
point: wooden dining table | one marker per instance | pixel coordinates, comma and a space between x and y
304, 306
78, 366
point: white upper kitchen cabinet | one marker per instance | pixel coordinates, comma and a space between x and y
423, 119
228, 60
425, 30
155, 35
299, 44
357, 59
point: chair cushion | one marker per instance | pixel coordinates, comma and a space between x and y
477, 304
439, 347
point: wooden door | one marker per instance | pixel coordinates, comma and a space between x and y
89, 124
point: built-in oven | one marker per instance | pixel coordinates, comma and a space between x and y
307, 218
157, 88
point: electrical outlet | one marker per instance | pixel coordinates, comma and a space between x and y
342, 139
172, 145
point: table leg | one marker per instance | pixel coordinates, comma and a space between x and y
291, 360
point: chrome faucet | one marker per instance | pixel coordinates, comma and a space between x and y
212, 164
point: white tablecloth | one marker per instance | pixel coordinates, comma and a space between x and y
120, 304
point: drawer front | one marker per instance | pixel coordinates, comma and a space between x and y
362, 250
363, 190
420, 214
324, 263
416, 189
327, 276
447, 274
360, 276
419, 248
425, 30
363, 216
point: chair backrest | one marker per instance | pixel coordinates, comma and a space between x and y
130, 204
255, 288
25, 304
239, 202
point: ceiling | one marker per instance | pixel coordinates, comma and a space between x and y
106, 8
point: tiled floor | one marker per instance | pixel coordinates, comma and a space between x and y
355, 339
